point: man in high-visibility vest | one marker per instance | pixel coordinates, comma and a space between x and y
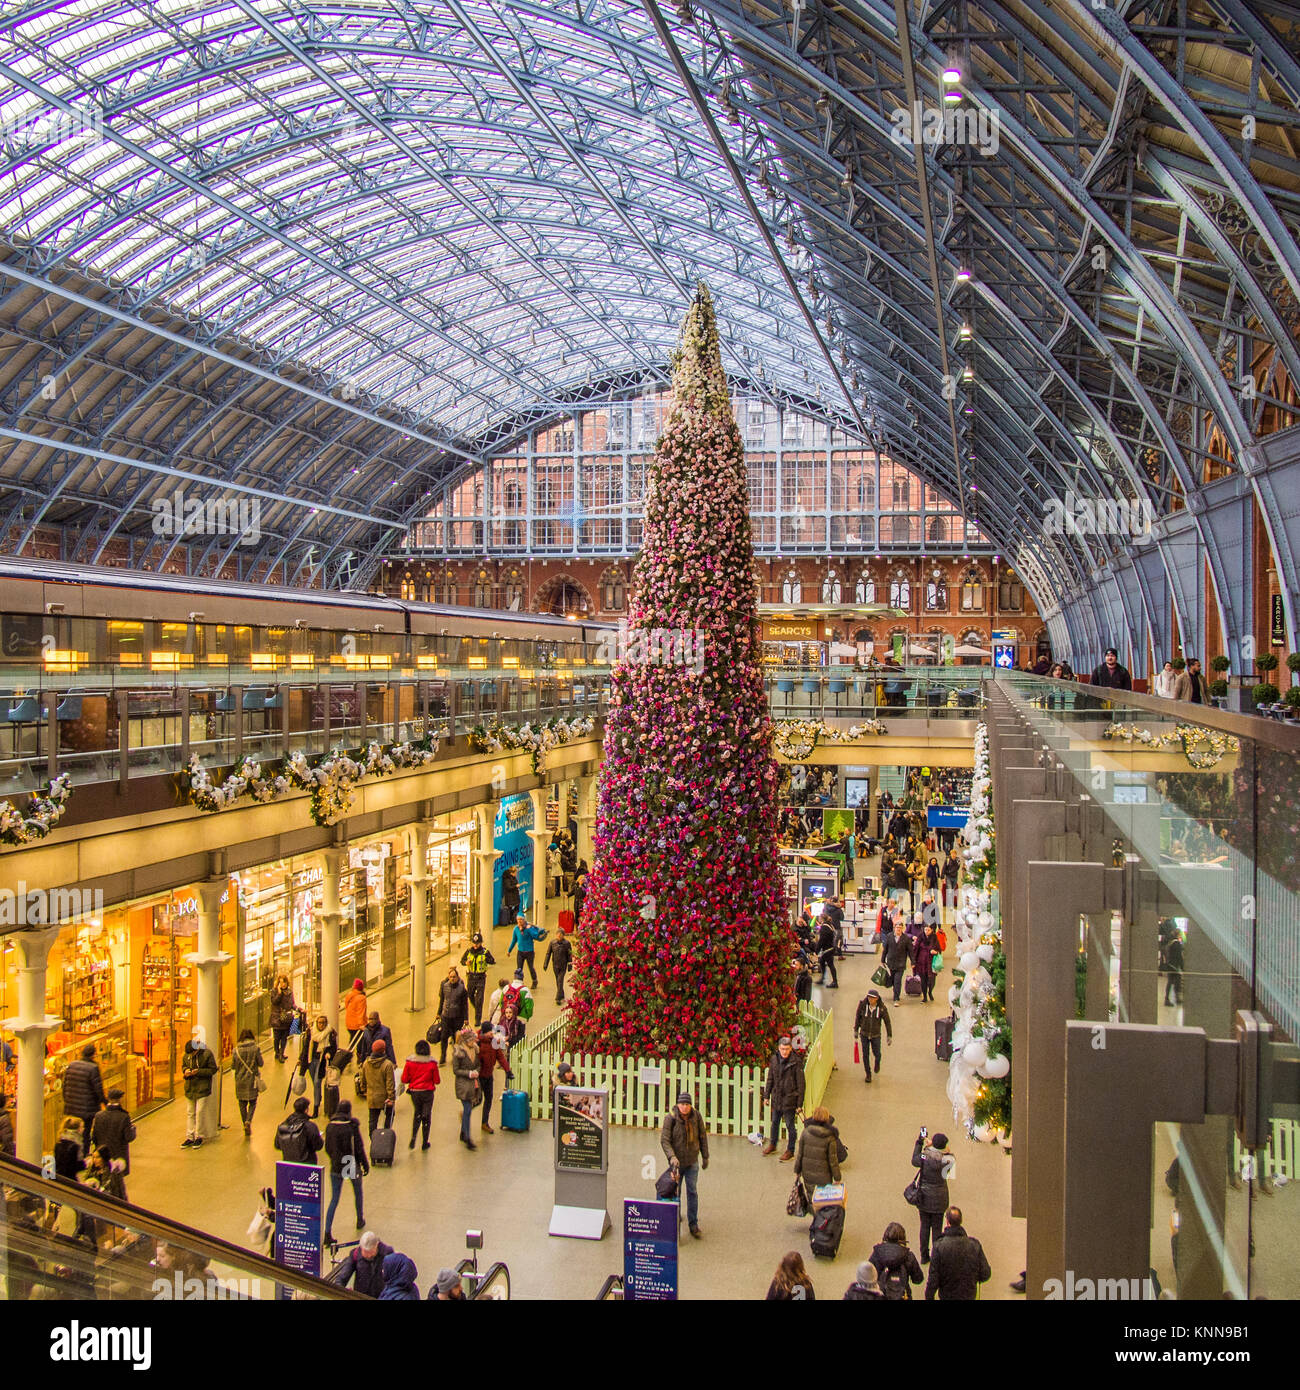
476, 961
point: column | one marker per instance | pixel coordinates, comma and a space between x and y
328, 919
541, 838
487, 855
418, 882
31, 1027
208, 961
586, 818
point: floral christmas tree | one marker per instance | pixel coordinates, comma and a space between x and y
685, 941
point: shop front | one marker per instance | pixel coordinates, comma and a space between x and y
122, 981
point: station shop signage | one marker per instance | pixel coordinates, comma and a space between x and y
1277, 613
650, 1251
787, 630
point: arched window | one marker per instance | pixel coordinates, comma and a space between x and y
791, 587
936, 595
972, 592
613, 591
832, 590
865, 590
1011, 594
483, 590
444, 588
515, 592
900, 591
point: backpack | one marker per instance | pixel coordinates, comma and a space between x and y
526, 1007
893, 1283
511, 997
291, 1140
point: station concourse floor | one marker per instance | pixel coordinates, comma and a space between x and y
426, 1202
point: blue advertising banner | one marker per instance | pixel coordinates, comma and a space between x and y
299, 1197
650, 1251
510, 838
946, 817
1004, 655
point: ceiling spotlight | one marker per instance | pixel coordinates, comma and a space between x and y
968, 374
823, 105
951, 73
963, 275
952, 97
963, 333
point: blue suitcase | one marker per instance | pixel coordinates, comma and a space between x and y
514, 1111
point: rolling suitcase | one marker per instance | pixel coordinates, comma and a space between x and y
826, 1232
383, 1145
514, 1111
943, 1039
566, 921
912, 985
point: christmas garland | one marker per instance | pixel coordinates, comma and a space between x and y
538, 739
1191, 736
43, 813
979, 1074
331, 779
795, 739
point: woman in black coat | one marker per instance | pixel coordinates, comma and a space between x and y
509, 898
283, 1008
453, 1008
896, 1265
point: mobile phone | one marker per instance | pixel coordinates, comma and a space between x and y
925, 1131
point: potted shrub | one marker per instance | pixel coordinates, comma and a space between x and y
1222, 664
1265, 693
1178, 664
1219, 691
1291, 699
1266, 662
1293, 662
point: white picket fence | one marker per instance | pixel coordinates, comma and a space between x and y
643, 1089
1281, 1157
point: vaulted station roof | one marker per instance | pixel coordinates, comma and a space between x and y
329, 254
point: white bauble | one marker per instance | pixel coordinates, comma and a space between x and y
985, 951
982, 1134
996, 1067
953, 994
985, 921
976, 1052
969, 963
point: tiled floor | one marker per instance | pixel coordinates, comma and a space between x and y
424, 1204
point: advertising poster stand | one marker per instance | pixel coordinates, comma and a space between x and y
581, 1155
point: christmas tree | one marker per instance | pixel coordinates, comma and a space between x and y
685, 942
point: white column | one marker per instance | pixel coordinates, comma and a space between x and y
208, 961
418, 881
31, 1027
487, 855
541, 838
586, 818
327, 921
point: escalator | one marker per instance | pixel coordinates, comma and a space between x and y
60, 1240
493, 1283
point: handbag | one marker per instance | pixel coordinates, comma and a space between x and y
912, 1192
477, 1099
299, 1084
261, 1083
433, 1035
796, 1204
936, 962
881, 976
857, 1054
295, 1026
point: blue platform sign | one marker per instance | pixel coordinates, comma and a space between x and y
947, 817
650, 1251
510, 838
299, 1199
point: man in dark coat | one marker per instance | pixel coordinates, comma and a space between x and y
1110, 675
83, 1088
826, 949
783, 1089
930, 1156
453, 1011
871, 1017
558, 955
363, 1266
113, 1130
376, 1031
685, 1143
959, 1266
895, 952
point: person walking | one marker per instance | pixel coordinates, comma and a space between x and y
83, 1088
1174, 968
70, 1148
790, 1283
453, 1008
347, 1155
826, 949
198, 1067
932, 875
959, 1265
465, 1067
376, 1031
554, 872
379, 1083
935, 1163
283, 1008
112, 1130
490, 1056
476, 961
1191, 684
355, 1012
896, 952
8, 1145
865, 1287
925, 950
558, 956
448, 1288
951, 870
316, 1050
296, 1136
896, 1265
579, 890
817, 1159
420, 1076
685, 1143
523, 942
871, 1017
1110, 675
1166, 679
509, 896
783, 1090
246, 1063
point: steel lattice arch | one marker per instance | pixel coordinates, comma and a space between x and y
335, 257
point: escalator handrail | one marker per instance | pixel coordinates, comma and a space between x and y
614, 1281
28, 1178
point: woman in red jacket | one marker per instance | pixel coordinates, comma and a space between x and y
420, 1077
492, 1054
